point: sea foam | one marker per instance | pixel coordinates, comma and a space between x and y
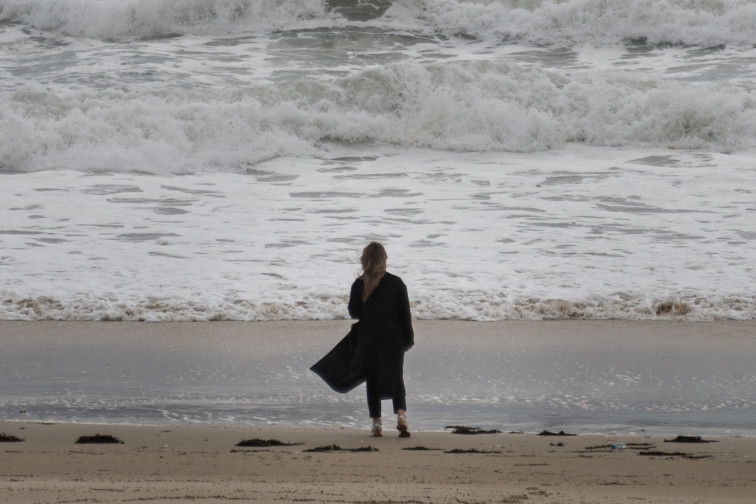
585, 233
109, 19
705, 23
472, 106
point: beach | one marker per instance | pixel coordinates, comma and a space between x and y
166, 458
202, 464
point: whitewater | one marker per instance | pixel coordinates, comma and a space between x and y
228, 159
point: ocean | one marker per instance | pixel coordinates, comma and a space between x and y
227, 160
520, 159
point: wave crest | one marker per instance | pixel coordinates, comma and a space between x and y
470, 107
112, 19
706, 23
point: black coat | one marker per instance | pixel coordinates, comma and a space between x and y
340, 368
375, 346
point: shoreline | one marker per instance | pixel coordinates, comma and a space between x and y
557, 434
203, 464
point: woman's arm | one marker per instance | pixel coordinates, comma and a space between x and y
405, 317
355, 299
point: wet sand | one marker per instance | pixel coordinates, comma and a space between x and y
203, 464
607, 377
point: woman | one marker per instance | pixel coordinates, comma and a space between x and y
379, 300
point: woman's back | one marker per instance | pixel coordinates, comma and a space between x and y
385, 318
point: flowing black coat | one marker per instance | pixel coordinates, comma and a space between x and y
375, 346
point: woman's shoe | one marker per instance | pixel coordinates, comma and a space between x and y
402, 426
377, 430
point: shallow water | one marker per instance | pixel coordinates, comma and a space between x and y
474, 237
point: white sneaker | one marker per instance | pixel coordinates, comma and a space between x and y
377, 430
402, 426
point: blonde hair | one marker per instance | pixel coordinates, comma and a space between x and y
373, 267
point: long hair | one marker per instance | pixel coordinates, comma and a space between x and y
373, 267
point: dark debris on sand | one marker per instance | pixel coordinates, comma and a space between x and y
264, 443
461, 429
549, 433
689, 439
471, 450
421, 448
99, 439
628, 446
336, 448
673, 454
391, 502
7, 438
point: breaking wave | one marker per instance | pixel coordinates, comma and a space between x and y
109, 19
465, 107
706, 23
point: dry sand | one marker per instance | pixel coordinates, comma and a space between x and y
203, 464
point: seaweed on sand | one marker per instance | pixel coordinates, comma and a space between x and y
673, 454
336, 448
99, 439
7, 438
461, 429
689, 439
471, 450
259, 443
629, 446
549, 433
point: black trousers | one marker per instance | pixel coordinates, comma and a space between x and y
374, 396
